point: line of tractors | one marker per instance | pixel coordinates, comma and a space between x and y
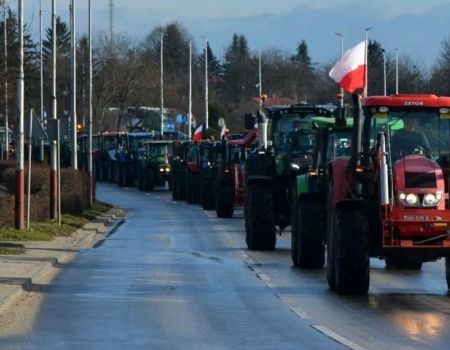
370, 179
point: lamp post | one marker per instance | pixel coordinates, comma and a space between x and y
90, 155
20, 173
396, 71
206, 84
366, 82
341, 97
5, 42
162, 83
190, 92
73, 65
384, 72
54, 150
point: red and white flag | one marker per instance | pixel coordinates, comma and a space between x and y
349, 72
223, 132
198, 134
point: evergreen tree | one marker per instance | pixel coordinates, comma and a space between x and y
214, 66
375, 68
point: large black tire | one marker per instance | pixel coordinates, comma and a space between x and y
331, 223
260, 224
352, 251
193, 188
308, 246
208, 198
141, 178
403, 263
447, 272
174, 186
150, 180
224, 201
181, 185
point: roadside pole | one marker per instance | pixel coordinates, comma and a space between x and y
54, 150
90, 161
162, 84
190, 91
206, 86
41, 67
5, 42
20, 178
260, 82
73, 66
30, 150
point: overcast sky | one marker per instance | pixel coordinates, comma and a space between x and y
416, 27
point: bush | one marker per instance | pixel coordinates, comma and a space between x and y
39, 179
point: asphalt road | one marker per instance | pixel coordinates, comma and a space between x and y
176, 277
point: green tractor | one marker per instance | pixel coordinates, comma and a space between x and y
153, 166
287, 140
310, 191
178, 171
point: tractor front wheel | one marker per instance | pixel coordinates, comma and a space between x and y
259, 218
308, 246
208, 195
224, 201
352, 253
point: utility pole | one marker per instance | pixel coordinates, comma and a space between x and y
341, 93
384, 73
54, 150
206, 86
396, 71
41, 82
260, 82
111, 19
20, 173
5, 41
73, 100
162, 84
91, 180
190, 92
366, 82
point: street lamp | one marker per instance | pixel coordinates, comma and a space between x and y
396, 71
206, 83
341, 97
384, 72
365, 61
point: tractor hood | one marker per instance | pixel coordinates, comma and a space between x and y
418, 173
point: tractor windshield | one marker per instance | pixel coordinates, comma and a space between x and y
158, 151
421, 132
293, 132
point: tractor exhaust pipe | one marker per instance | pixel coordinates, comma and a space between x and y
384, 182
262, 124
358, 119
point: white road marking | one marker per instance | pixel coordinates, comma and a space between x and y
340, 339
295, 308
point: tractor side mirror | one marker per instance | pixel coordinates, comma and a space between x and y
341, 117
250, 121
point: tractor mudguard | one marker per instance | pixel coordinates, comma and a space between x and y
338, 169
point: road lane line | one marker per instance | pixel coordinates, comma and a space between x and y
292, 305
336, 337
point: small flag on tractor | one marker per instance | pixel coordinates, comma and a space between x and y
223, 132
349, 71
198, 134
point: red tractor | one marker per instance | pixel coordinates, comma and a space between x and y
390, 199
230, 156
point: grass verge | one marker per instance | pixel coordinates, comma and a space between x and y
47, 230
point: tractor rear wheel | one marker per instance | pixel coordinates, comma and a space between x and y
181, 185
192, 188
308, 248
352, 253
140, 178
331, 223
150, 180
224, 201
208, 194
259, 218
174, 187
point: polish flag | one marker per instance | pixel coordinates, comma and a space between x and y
349, 71
223, 132
198, 134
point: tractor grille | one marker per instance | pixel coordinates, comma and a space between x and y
420, 180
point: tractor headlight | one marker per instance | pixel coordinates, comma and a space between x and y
432, 200
295, 166
167, 170
409, 199
161, 170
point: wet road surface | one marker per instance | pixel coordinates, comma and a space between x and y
171, 277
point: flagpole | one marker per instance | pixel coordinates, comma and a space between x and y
260, 82
341, 97
366, 82
396, 71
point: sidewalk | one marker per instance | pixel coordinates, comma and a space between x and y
19, 273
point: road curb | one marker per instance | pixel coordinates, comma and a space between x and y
89, 238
